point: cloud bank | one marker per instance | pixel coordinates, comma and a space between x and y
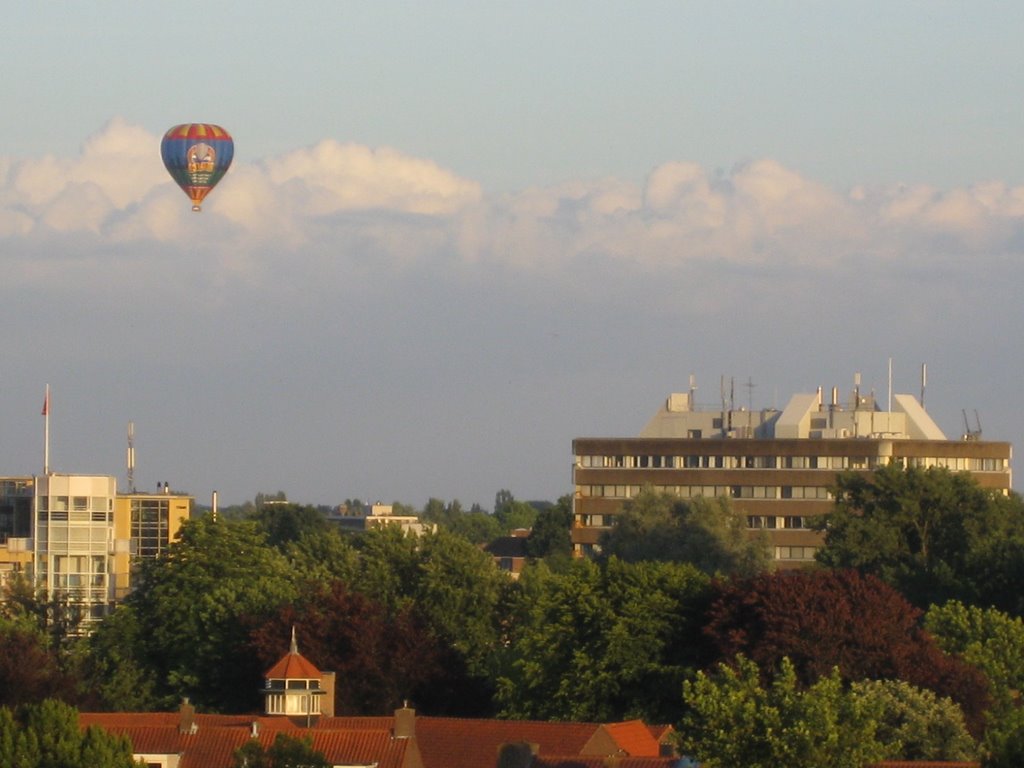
337, 198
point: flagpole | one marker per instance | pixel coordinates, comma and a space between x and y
46, 432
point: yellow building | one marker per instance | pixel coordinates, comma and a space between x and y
148, 522
77, 541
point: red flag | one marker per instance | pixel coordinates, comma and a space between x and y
46, 403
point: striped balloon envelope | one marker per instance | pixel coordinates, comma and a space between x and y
197, 155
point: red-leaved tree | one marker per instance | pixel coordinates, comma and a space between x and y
826, 619
380, 660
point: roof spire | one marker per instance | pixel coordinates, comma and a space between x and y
295, 643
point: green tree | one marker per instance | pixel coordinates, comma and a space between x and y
324, 556
993, 642
112, 670
915, 724
457, 589
733, 719
512, 514
550, 535
475, 525
600, 642
190, 601
46, 735
702, 531
286, 752
933, 534
388, 566
285, 523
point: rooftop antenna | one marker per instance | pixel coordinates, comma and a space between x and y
131, 456
888, 406
693, 392
972, 435
46, 431
750, 392
924, 381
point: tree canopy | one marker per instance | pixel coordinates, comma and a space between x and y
933, 534
46, 735
702, 531
819, 620
733, 718
286, 752
600, 642
190, 601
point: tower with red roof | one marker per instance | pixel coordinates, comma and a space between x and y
293, 687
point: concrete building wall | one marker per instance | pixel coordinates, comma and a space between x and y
780, 476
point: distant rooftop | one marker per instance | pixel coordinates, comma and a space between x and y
806, 415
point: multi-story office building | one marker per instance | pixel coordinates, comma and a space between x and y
776, 467
148, 522
75, 539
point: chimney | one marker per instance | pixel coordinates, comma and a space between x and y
405, 722
517, 755
254, 731
327, 701
187, 717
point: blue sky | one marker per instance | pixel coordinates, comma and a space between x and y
458, 235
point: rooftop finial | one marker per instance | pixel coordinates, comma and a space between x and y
295, 643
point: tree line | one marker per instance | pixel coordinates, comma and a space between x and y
904, 642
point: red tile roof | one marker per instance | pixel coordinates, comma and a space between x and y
438, 742
464, 743
217, 737
604, 762
632, 738
294, 666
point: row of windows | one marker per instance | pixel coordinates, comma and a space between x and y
82, 516
281, 704
769, 522
716, 461
692, 491
795, 553
953, 463
780, 522
960, 464
15, 487
293, 684
76, 503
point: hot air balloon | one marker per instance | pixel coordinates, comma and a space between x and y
197, 155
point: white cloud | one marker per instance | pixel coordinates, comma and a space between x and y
337, 177
339, 203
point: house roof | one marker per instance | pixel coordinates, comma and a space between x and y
216, 737
604, 762
631, 738
294, 666
437, 742
448, 742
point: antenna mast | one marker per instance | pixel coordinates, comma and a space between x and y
131, 456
